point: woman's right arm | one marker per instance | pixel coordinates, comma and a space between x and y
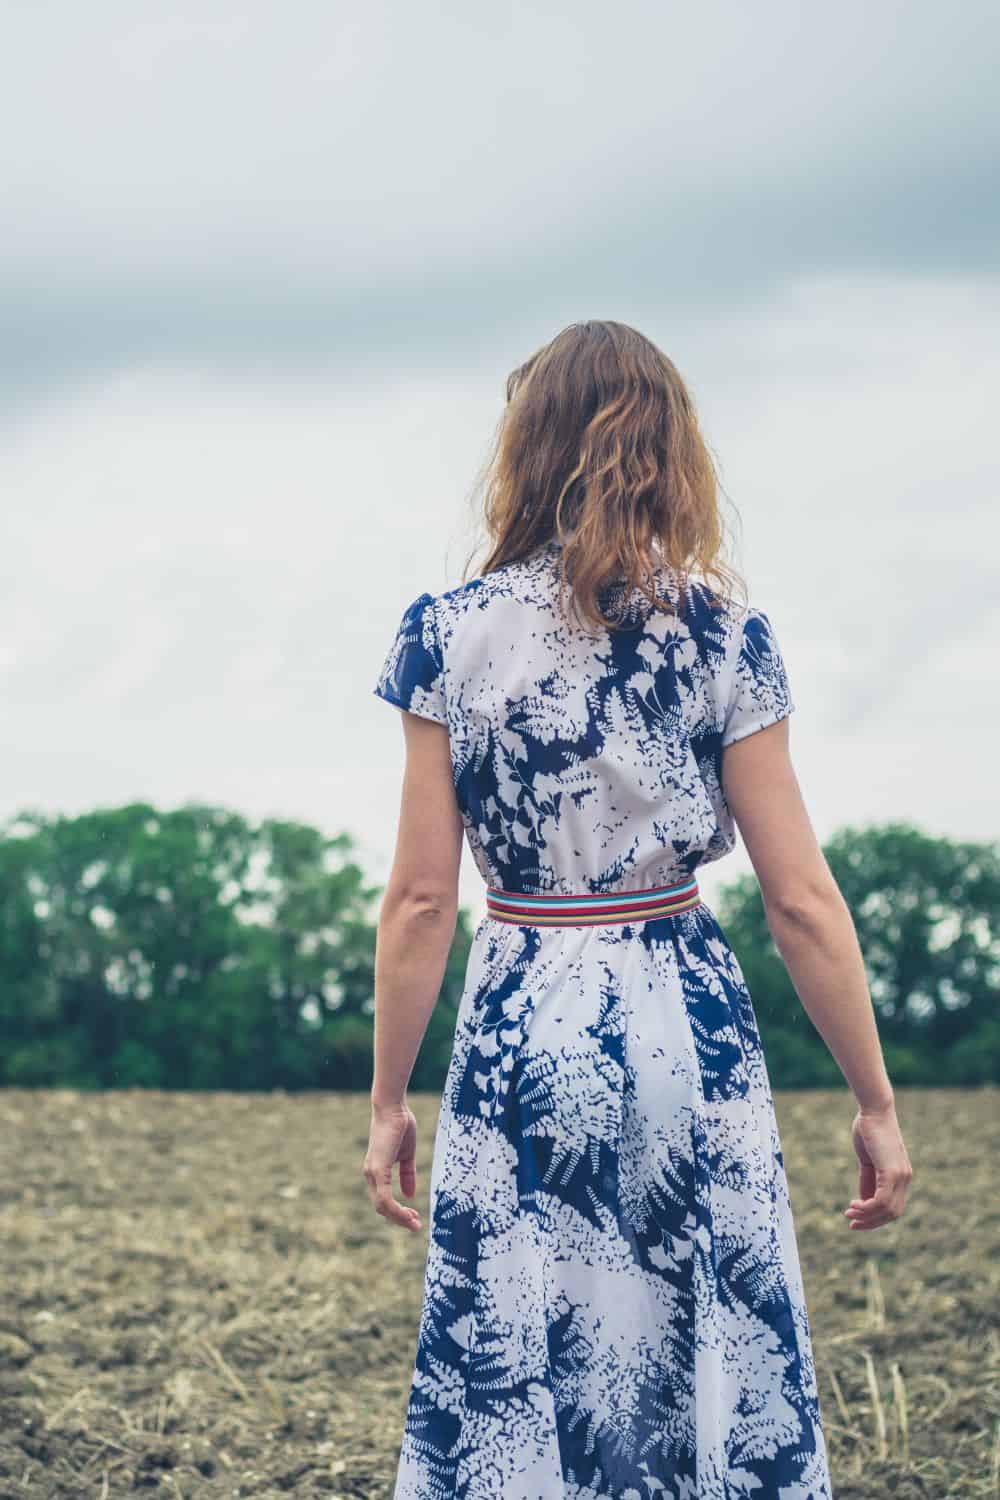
814, 933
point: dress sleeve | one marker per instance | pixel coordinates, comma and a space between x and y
412, 675
759, 693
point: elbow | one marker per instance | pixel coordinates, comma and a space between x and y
802, 910
420, 906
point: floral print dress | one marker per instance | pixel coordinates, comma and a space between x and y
613, 1306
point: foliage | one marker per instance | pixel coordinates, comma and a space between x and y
926, 912
187, 949
192, 949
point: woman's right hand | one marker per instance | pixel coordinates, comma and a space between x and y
886, 1172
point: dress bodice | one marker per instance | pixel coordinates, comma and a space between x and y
587, 762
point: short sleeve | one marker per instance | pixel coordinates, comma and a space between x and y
412, 675
759, 693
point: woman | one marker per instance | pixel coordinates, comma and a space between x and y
613, 1306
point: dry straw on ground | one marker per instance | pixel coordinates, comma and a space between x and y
197, 1298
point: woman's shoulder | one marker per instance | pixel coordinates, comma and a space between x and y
722, 612
732, 634
511, 581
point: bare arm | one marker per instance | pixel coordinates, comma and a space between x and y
415, 930
806, 913
814, 932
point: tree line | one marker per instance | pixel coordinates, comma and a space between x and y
195, 949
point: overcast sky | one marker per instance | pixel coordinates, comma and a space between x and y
265, 270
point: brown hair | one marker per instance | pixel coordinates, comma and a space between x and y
599, 450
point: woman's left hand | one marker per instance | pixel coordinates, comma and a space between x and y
393, 1138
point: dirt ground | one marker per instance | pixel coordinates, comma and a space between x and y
198, 1299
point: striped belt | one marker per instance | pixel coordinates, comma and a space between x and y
591, 910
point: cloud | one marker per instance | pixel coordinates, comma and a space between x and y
343, 184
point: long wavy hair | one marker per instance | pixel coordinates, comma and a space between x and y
599, 450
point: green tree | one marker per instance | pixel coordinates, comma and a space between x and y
926, 911
193, 949
188, 949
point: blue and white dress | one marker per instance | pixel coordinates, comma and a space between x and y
613, 1306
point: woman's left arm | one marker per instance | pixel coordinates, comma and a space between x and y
415, 930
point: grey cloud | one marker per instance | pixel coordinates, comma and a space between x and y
696, 261
367, 182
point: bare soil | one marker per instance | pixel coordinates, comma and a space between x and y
198, 1299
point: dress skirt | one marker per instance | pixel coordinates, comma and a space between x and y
613, 1306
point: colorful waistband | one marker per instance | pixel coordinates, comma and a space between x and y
591, 910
